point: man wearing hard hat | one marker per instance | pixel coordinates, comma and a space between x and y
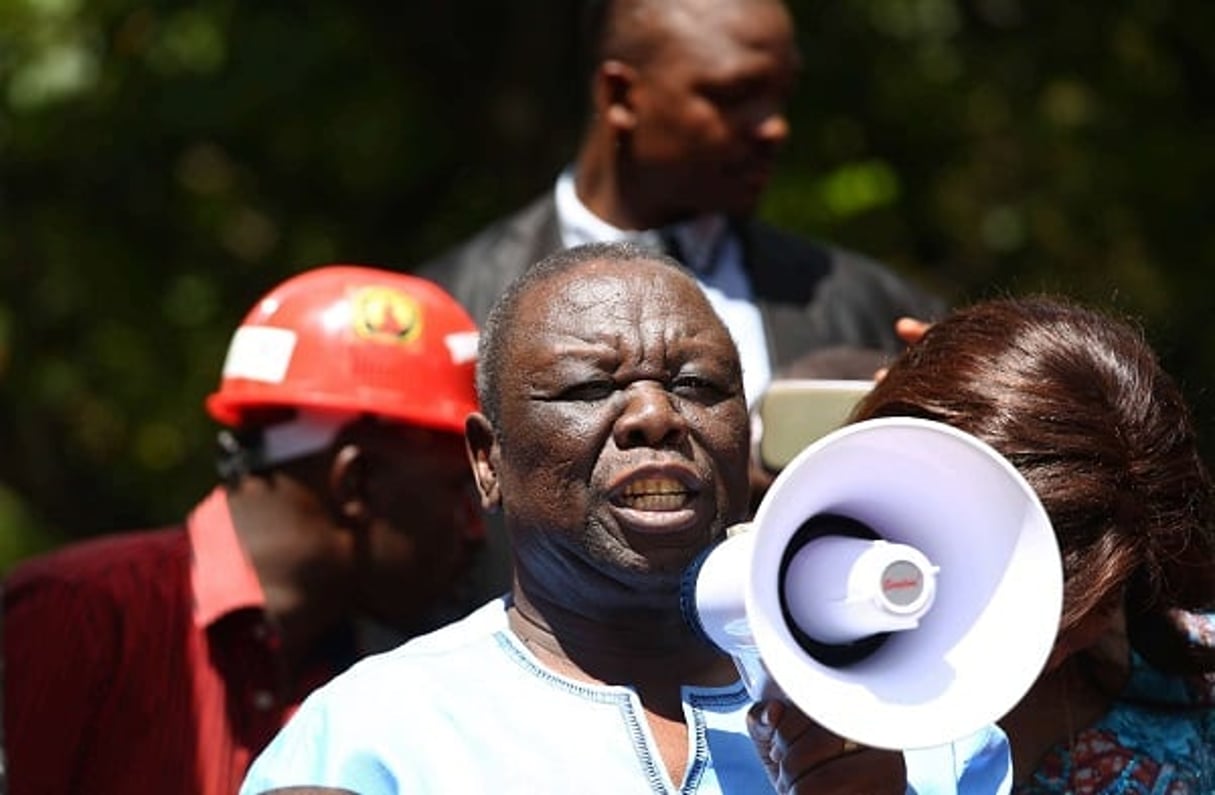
163, 661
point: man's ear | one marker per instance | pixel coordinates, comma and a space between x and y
349, 484
482, 448
613, 93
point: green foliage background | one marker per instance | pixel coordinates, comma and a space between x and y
163, 163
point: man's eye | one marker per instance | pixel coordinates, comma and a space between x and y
697, 387
591, 390
760, 88
730, 96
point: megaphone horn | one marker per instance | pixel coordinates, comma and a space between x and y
900, 583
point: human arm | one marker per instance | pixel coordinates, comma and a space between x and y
60, 647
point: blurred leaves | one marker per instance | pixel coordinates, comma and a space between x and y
162, 164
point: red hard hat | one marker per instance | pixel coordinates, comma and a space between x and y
348, 338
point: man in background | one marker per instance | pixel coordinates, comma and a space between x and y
163, 661
687, 115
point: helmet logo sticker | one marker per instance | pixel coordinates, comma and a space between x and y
386, 315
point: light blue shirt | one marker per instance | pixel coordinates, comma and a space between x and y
468, 709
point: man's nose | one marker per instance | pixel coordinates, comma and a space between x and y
650, 417
772, 126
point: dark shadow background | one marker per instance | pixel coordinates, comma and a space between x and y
163, 164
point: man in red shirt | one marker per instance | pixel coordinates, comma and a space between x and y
163, 661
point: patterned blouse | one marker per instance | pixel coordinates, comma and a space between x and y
1158, 738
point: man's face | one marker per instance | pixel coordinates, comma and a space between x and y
709, 106
426, 525
623, 428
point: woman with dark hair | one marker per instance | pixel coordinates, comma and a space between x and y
1078, 402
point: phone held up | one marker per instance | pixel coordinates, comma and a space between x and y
794, 413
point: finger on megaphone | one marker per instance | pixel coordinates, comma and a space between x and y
773, 736
802, 756
738, 529
761, 724
797, 743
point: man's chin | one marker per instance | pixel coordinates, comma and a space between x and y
736, 205
746, 199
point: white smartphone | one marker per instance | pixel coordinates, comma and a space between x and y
794, 413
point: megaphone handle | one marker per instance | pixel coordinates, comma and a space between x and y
755, 676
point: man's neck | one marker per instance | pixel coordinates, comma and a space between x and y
272, 534
597, 189
645, 649
605, 188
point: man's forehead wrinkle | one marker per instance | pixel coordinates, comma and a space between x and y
572, 347
652, 341
609, 294
610, 312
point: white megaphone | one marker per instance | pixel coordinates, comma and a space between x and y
900, 583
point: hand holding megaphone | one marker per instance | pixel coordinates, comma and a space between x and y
900, 584
803, 757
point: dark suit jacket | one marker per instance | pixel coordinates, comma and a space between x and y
810, 296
